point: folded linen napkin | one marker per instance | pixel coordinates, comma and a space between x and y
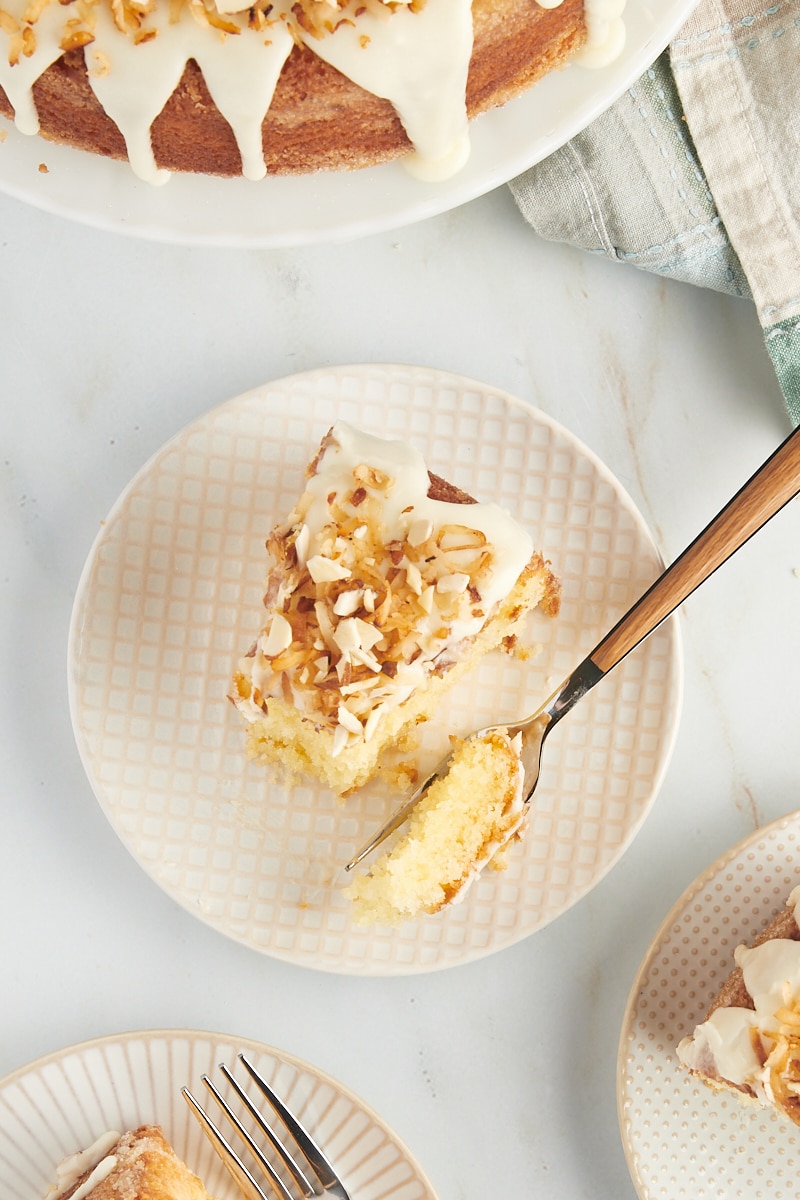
694, 173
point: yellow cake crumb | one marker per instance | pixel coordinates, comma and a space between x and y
464, 821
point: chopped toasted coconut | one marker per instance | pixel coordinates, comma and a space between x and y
377, 596
340, 739
372, 477
346, 636
365, 658
348, 602
227, 17
373, 720
326, 570
279, 637
348, 720
301, 545
419, 531
452, 583
414, 578
370, 636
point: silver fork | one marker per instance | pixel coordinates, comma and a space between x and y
315, 1176
773, 485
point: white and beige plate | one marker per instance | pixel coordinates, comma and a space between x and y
65, 1101
171, 597
681, 1138
331, 206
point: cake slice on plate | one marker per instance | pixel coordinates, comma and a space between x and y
749, 1042
387, 584
137, 1165
464, 822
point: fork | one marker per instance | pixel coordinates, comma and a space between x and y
314, 1177
772, 486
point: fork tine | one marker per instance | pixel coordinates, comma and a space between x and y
306, 1187
244, 1180
329, 1180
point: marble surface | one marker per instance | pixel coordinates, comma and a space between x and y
500, 1074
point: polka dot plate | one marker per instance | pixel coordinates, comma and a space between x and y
171, 597
682, 1139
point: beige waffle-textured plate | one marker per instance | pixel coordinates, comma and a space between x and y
171, 597
63, 1102
682, 1139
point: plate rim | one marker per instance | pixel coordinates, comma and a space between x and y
378, 969
771, 829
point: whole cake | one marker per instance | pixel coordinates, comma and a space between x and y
227, 87
749, 1043
137, 1165
462, 824
387, 584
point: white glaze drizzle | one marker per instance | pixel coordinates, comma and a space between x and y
241, 81
95, 1158
605, 38
404, 506
724, 1042
416, 60
95, 1177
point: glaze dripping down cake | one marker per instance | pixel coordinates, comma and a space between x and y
137, 1165
230, 87
749, 1042
387, 584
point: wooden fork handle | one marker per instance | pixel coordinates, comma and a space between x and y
772, 487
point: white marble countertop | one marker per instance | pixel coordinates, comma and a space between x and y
500, 1074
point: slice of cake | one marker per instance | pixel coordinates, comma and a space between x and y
461, 824
749, 1042
242, 87
387, 585
137, 1165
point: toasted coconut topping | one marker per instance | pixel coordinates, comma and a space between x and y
378, 585
316, 17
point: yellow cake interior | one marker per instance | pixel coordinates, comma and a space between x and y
465, 820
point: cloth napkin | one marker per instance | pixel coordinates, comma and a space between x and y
694, 173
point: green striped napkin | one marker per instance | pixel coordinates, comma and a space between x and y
694, 173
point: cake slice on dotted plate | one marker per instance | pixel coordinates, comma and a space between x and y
749, 1042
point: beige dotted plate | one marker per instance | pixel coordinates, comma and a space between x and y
65, 1101
171, 596
681, 1138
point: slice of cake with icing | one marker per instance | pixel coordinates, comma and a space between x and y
749, 1042
387, 584
137, 1165
225, 87
465, 821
